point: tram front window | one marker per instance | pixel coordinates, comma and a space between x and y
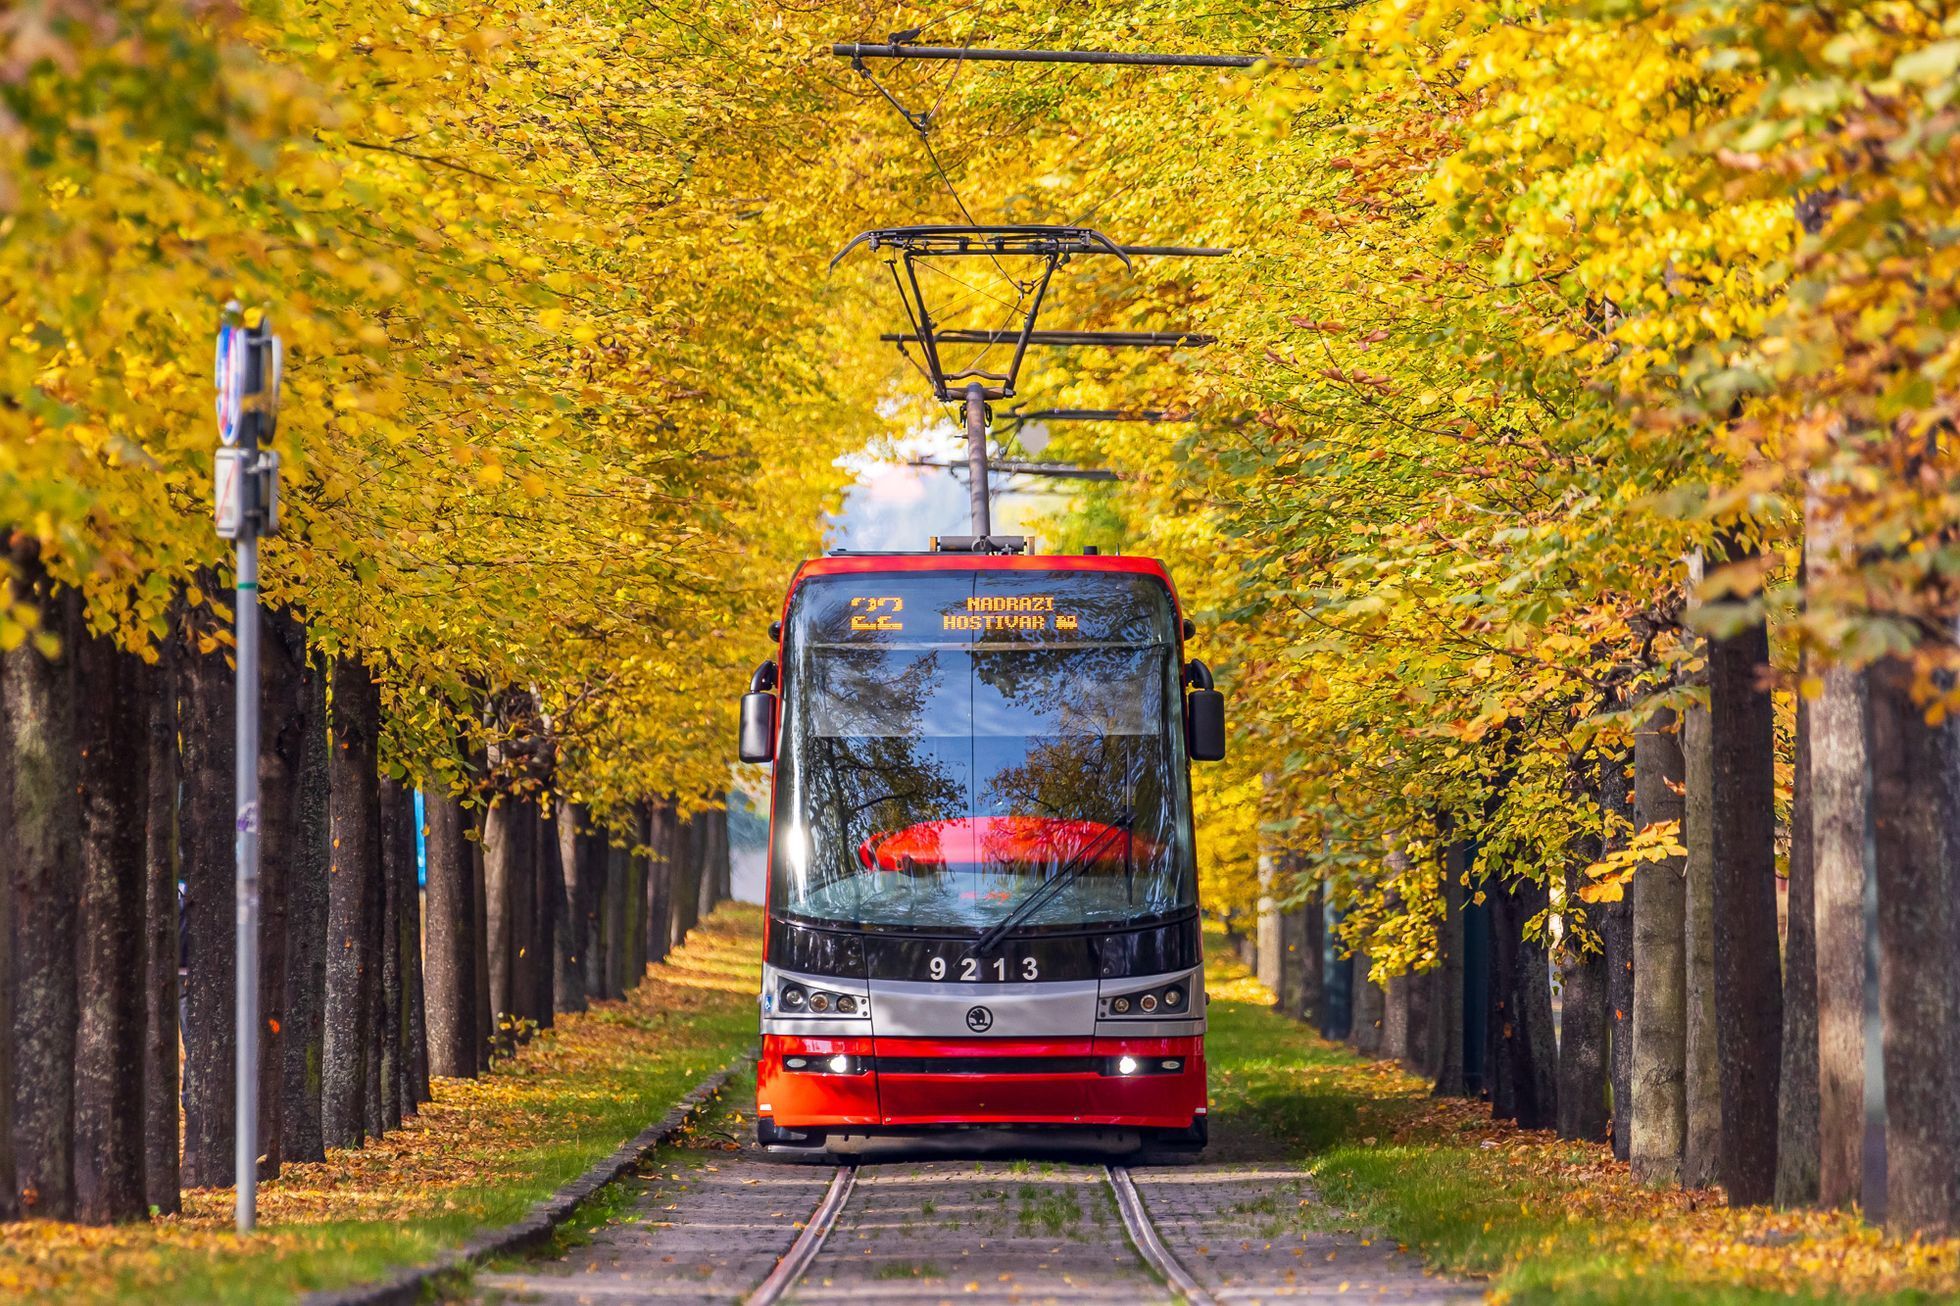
937, 768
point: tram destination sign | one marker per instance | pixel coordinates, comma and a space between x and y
961, 608
885, 614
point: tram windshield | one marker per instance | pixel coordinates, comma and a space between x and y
955, 741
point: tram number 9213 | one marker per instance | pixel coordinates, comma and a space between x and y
976, 968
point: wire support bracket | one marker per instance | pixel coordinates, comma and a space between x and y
857, 52
1048, 248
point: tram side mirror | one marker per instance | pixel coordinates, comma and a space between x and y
758, 728
1204, 725
1204, 715
758, 731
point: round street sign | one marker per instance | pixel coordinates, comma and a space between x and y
228, 371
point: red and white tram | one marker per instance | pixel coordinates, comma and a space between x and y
982, 889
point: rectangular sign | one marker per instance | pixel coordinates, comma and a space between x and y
968, 607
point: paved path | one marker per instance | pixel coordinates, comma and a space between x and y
701, 1224
1237, 1227
986, 1231
706, 1223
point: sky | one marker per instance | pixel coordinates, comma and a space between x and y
891, 505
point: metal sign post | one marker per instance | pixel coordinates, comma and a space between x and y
247, 370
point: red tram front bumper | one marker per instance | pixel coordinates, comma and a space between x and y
930, 1083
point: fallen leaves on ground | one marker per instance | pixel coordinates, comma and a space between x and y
1557, 1213
478, 1154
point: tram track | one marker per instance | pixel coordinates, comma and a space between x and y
1145, 1241
808, 1243
717, 1220
1148, 1242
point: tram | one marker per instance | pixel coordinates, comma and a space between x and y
982, 888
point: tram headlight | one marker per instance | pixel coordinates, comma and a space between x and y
840, 1065
1169, 1001
793, 999
1126, 1066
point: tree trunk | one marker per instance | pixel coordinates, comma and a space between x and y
628, 871
308, 885
1449, 1006
549, 894
501, 828
1916, 827
1370, 1008
1290, 939
1424, 991
613, 923
486, 1012
702, 840
1701, 1157
347, 1034
1525, 1057
375, 979
525, 905
1748, 982
397, 875
1658, 1132
1840, 814
1479, 991
110, 720
161, 1088
1395, 1018
590, 850
37, 695
1313, 943
1337, 1015
1268, 967
210, 913
1583, 1020
9, 1195
1286, 929
685, 868
724, 861
1582, 1043
526, 908
415, 1057
1616, 932
451, 976
570, 936
1797, 1104
283, 734
655, 879
509, 862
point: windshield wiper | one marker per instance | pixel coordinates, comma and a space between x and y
1040, 897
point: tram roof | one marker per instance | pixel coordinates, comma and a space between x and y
861, 564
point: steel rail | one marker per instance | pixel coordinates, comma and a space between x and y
808, 1243
1130, 59
1143, 1236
